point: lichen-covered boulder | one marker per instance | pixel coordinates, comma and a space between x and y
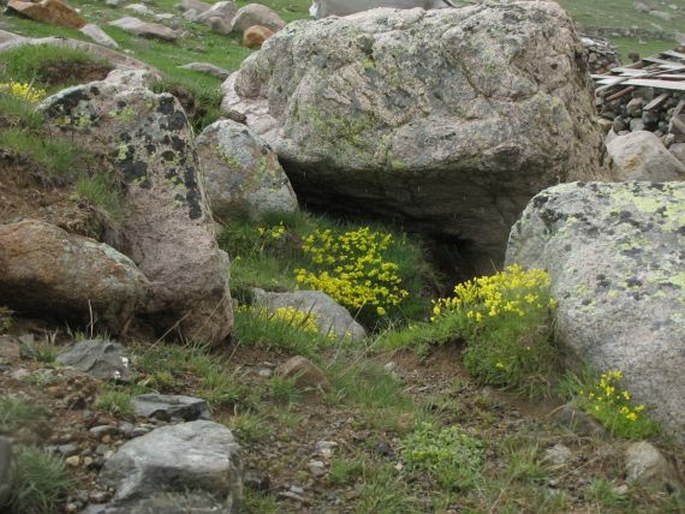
168, 231
616, 256
641, 155
450, 118
45, 270
243, 173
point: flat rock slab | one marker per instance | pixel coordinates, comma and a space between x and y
615, 254
101, 359
145, 29
167, 407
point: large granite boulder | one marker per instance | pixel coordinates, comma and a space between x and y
452, 118
243, 173
53, 12
48, 271
199, 458
616, 255
168, 231
256, 14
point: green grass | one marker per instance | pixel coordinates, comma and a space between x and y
15, 414
42, 483
103, 191
115, 400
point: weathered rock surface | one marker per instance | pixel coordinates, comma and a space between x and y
678, 151
195, 502
256, 14
450, 118
46, 270
331, 317
200, 455
145, 29
615, 256
243, 173
641, 155
7, 470
647, 467
168, 231
98, 35
170, 406
99, 358
54, 12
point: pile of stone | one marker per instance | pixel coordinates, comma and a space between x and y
642, 110
627, 107
602, 56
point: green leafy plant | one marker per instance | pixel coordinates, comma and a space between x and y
116, 401
606, 399
6, 320
452, 457
506, 321
42, 483
288, 329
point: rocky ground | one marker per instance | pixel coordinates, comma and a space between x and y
312, 452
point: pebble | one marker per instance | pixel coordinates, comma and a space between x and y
325, 448
317, 468
104, 430
73, 461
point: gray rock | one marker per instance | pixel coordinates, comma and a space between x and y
200, 456
168, 231
209, 69
219, 17
140, 9
98, 35
578, 422
167, 407
99, 358
642, 156
647, 467
48, 271
8, 470
450, 118
141, 28
243, 173
678, 151
196, 502
615, 255
331, 317
197, 5
256, 14
558, 455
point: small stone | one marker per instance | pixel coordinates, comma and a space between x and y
558, 455
317, 468
296, 489
102, 430
325, 448
265, 372
73, 461
20, 374
139, 431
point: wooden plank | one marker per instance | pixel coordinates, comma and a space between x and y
673, 53
659, 84
656, 102
638, 73
663, 63
621, 93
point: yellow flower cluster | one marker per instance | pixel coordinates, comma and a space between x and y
304, 321
350, 267
23, 90
276, 232
512, 291
606, 395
